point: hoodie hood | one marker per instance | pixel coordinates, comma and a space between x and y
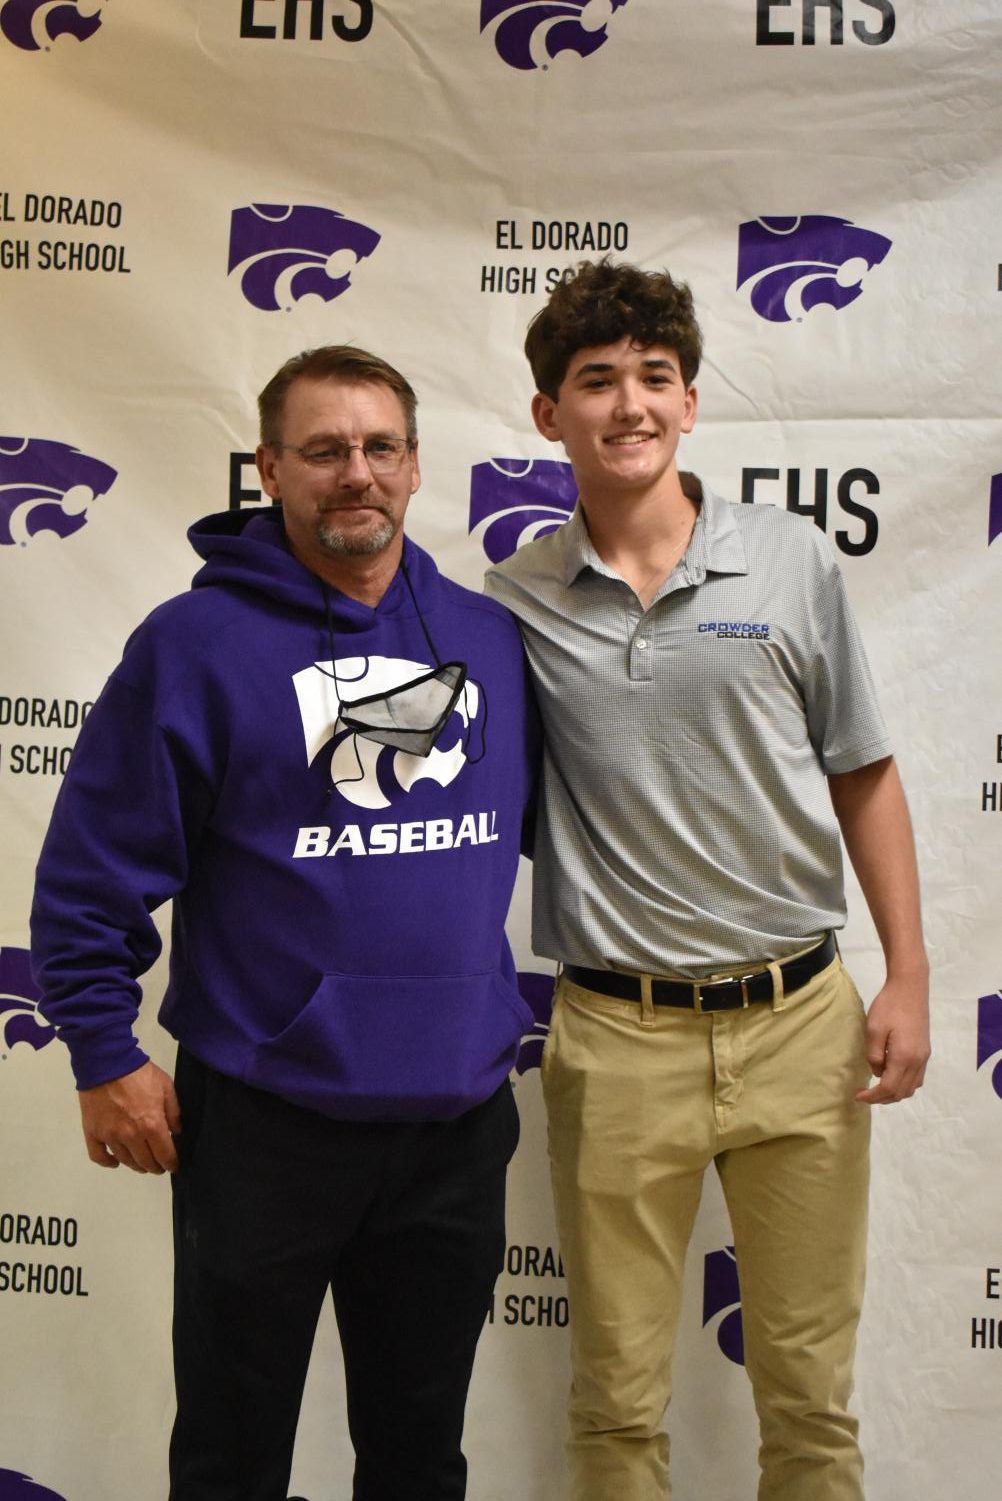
247, 551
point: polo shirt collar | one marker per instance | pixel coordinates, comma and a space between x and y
578, 550
716, 545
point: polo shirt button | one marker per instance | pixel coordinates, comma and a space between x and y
641, 645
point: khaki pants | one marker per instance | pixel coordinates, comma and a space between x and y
640, 1100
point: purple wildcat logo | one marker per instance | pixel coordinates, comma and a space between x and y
19, 997
363, 772
287, 252
529, 34
516, 500
795, 264
47, 487
17, 1487
536, 991
721, 1290
14, 1486
995, 509
34, 25
990, 1035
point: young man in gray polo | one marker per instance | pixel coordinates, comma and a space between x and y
711, 728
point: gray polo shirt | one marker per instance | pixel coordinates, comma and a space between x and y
686, 825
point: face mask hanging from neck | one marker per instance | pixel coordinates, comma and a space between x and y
411, 716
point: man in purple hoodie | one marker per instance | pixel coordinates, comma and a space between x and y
297, 753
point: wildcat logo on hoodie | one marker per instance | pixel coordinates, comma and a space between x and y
529, 34
513, 501
795, 264
47, 487
16, 1486
19, 998
285, 252
721, 1291
362, 772
33, 25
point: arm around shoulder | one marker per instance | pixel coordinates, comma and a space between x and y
873, 815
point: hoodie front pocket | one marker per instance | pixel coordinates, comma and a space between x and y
396, 1047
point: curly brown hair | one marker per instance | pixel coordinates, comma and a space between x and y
601, 303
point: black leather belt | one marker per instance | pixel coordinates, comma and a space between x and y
730, 994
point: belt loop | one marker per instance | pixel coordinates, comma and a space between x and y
778, 994
646, 1002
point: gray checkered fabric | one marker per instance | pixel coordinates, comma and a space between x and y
686, 825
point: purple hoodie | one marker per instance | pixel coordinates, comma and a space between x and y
339, 906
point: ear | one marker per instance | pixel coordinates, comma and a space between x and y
689, 412
415, 469
544, 415
265, 460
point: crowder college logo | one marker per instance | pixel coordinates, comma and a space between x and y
365, 773
795, 264
735, 630
17, 1487
287, 252
721, 1291
19, 997
34, 25
529, 34
513, 501
990, 1036
47, 487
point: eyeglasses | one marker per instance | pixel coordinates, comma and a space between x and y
381, 454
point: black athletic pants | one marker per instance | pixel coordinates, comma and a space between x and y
273, 1204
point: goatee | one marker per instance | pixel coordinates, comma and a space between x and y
346, 543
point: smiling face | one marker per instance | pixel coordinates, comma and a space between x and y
333, 515
620, 411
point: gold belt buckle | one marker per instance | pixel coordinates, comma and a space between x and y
741, 980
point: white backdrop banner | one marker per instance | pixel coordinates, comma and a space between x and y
191, 193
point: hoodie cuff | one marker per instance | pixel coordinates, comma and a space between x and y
99, 1057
